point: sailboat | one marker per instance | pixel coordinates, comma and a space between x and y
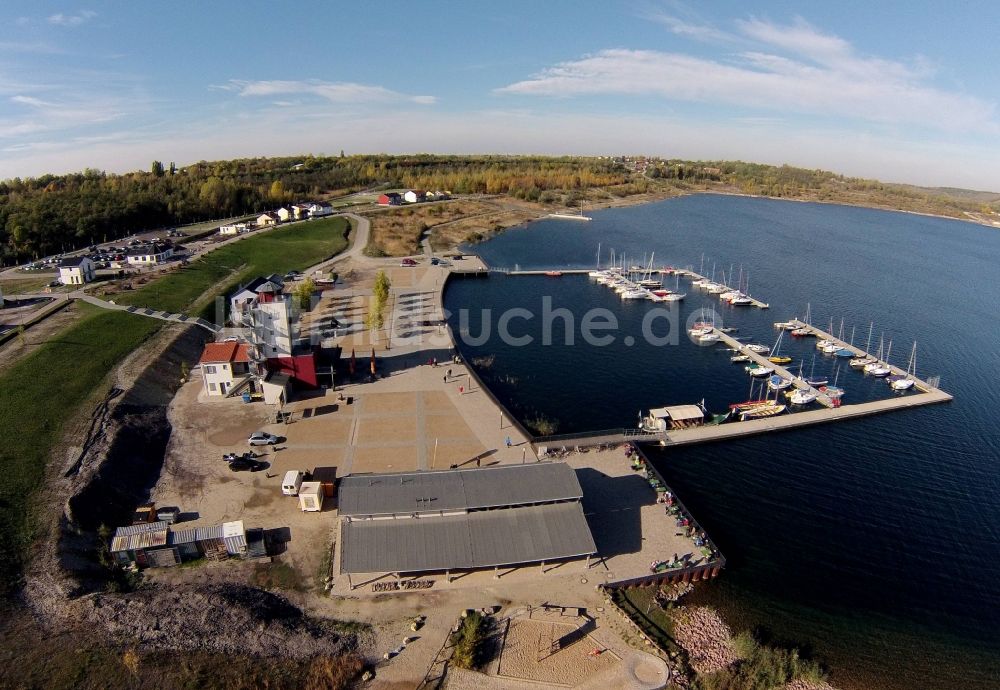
812, 380
905, 383
864, 360
833, 392
804, 330
776, 357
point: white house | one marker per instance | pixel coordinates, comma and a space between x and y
245, 297
285, 214
319, 209
233, 229
151, 254
223, 365
76, 270
414, 196
269, 218
301, 211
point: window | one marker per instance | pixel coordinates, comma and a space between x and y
212, 386
210, 369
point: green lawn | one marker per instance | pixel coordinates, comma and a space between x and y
49, 386
193, 287
39, 394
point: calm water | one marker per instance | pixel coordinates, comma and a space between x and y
874, 542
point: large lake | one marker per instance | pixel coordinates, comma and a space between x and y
875, 542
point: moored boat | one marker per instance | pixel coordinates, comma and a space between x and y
762, 411
758, 371
778, 383
801, 396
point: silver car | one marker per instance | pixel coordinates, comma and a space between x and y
262, 438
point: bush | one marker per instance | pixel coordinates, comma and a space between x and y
468, 641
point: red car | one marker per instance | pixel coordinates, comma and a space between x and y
407, 262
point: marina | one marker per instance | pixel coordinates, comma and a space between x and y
887, 470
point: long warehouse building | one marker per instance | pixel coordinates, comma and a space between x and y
450, 520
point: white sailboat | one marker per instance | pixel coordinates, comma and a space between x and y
905, 383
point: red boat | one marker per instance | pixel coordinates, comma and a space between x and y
553, 274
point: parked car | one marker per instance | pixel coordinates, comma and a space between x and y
244, 464
407, 262
262, 438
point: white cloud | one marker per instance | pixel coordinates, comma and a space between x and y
282, 131
335, 92
81, 17
796, 68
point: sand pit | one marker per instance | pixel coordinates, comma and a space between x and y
526, 654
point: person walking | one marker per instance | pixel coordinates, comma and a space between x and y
509, 443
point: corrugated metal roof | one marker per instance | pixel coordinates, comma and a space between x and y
135, 537
183, 536
477, 540
489, 487
139, 528
212, 532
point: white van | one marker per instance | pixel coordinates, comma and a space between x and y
291, 483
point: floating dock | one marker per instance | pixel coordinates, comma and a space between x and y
926, 395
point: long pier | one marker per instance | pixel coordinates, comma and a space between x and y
926, 395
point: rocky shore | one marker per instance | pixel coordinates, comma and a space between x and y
705, 637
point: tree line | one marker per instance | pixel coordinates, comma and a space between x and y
54, 213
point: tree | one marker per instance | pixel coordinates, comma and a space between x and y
374, 319
213, 193
157, 169
304, 292
381, 289
277, 192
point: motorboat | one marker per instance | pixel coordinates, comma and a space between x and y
816, 382
740, 358
741, 301
830, 348
716, 289
708, 337
759, 349
844, 352
861, 362
802, 332
729, 329
821, 344
758, 371
699, 331
779, 360
673, 297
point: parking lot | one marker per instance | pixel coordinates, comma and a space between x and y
406, 421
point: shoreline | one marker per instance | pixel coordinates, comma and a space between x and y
655, 197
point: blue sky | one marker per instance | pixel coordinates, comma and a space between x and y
899, 91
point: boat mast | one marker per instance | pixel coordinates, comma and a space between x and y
868, 347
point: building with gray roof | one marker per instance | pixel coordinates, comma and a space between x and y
449, 520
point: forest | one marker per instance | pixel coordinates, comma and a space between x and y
56, 213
